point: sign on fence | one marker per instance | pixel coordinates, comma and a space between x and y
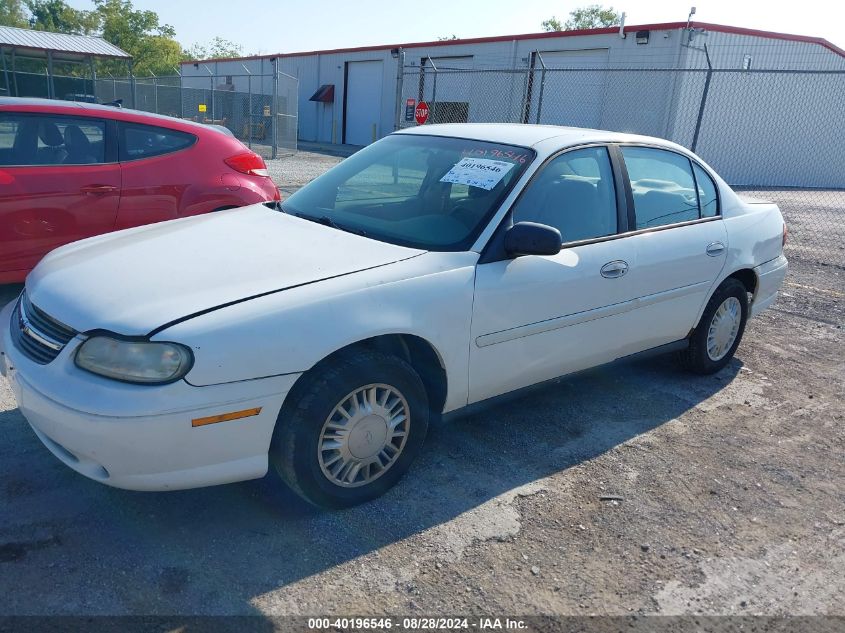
410, 106
202, 107
421, 113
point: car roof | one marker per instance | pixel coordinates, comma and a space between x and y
529, 135
58, 106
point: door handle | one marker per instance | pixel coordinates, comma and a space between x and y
714, 249
614, 269
98, 189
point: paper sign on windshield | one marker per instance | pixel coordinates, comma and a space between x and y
483, 173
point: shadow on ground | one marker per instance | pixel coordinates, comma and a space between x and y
213, 551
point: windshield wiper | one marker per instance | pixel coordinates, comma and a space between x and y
327, 221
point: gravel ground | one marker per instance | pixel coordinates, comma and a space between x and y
630, 489
294, 171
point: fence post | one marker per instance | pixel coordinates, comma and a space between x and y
542, 86
93, 76
6, 72
249, 106
132, 85
181, 94
275, 106
400, 80
703, 100
155, 92
15, 74
51, 87
528, 92
433, 92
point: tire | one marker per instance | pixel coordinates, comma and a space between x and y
306, 418
703, 359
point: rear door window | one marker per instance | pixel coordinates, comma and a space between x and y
663, 186
34, 139
144, 141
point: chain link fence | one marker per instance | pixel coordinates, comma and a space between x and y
769, 133
260, 110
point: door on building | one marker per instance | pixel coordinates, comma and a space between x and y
362, 102
573, 96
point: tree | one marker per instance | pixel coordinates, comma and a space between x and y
152, 45
12, 14
58, 17
552, 24
217, 48
593, 16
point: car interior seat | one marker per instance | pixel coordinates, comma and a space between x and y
656, 207
53, 152
575, 207
79, 150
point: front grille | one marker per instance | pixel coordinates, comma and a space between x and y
39, 336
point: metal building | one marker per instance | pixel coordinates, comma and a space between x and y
366, 94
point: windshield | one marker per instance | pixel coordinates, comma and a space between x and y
427, 192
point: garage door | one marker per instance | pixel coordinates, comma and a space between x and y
363, 102
574, 96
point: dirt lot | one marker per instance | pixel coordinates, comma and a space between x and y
628, 489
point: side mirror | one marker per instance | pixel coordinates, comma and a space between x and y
531, 238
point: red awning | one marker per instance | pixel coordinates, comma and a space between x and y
324, 94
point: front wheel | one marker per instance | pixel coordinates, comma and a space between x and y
352, 429
718, 334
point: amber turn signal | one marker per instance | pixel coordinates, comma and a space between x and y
226, 417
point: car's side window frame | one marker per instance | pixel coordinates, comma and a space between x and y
121, 136
109, 136
718, 214
494, 250
632, 219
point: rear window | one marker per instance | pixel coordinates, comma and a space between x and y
33, 139
144, 141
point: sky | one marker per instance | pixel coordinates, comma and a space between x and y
283, 26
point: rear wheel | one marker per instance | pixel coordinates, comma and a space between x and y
352, 429
717, 336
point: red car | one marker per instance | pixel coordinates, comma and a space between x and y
72, 170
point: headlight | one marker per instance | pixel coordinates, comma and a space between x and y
134, 361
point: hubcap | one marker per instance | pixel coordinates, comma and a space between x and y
723, 328
364, 435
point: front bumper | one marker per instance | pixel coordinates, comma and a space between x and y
141, 437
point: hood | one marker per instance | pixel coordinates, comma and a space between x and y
131, 282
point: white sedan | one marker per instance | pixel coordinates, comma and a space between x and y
437, 268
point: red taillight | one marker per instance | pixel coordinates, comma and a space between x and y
248, 163
785, 234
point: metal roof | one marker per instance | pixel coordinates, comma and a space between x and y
65, 46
